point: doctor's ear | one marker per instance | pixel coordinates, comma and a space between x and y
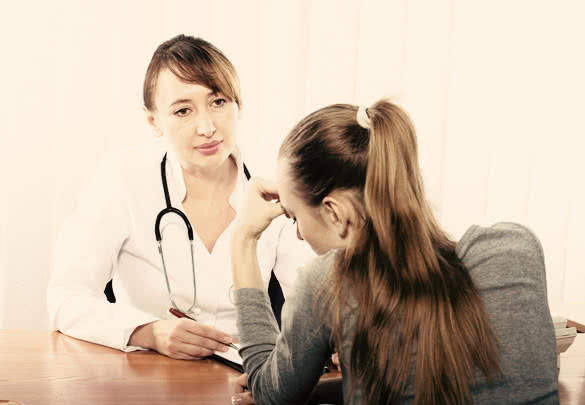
150, 119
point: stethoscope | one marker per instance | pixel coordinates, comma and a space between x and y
171, 209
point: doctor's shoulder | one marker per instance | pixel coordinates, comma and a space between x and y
131, 164
133, 160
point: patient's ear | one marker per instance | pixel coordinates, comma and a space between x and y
338, 213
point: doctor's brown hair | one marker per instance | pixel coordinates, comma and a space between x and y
192, 60
414, 294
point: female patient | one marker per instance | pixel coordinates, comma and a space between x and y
417, 317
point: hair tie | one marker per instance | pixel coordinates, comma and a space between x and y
362, 117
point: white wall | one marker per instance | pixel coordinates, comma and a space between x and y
496, 90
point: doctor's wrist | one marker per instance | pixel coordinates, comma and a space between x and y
142, 336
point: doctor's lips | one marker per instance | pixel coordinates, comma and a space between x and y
209, 148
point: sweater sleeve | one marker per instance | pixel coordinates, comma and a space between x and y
285, 367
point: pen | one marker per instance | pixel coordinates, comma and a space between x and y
181, 314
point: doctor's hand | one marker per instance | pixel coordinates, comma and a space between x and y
182, 338
260, 207
243, 396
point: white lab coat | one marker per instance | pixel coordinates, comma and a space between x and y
111, 235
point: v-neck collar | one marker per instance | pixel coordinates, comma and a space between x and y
179, 190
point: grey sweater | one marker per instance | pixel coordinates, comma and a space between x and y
506, 264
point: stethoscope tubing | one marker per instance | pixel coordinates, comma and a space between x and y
170, 209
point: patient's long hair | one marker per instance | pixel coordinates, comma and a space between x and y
413, 293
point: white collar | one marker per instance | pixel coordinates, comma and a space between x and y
178, 181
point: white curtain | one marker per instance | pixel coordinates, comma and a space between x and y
496, 90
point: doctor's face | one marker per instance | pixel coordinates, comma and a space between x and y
199, 124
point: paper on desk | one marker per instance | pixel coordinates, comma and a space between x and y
231, 355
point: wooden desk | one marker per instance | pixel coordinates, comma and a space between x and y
572, 374
38, 367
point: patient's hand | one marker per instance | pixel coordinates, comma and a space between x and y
243, 396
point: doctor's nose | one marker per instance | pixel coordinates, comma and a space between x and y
205, 125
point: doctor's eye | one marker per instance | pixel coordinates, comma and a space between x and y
219, 102
182, 112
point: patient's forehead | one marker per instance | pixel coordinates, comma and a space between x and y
282, 172
284, 182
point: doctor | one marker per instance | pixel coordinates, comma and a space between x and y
135, 219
